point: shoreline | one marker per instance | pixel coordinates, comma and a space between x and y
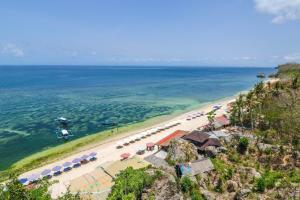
107, 152
95, 140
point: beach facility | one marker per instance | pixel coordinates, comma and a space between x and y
94, 169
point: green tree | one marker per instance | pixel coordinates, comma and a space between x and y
14, 190
130, 183
260, 185
243, 145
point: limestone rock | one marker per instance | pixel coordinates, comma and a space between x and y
208, 195
211, 151
182, 151
163, 188
232, 186
242, 194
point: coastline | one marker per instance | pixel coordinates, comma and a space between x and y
95, 140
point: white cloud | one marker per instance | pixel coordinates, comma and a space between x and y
295, 57
282, 10
12, 49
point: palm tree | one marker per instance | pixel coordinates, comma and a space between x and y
240, 109
250, 104
211, 118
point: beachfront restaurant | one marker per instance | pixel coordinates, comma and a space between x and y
165, 142
221, 121
202, 139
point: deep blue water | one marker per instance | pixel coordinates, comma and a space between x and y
32, 97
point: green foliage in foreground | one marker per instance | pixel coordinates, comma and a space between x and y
226, 171
130, 183
190, 188
272, 109
260, 185
13, 190
243, 145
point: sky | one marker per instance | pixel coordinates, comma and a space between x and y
150, 32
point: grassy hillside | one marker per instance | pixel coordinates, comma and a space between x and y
288, 70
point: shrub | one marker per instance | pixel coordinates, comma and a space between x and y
196, 195
243, 145
219, 186
186, 184
14, 190
260, 185
294, 176
130, 183
271, 177
233, 157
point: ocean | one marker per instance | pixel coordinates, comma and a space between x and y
93, 98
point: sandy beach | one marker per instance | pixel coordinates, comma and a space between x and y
107, 151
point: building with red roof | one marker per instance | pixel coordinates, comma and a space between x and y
166, 140
221, 121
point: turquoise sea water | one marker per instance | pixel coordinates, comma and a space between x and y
32, 97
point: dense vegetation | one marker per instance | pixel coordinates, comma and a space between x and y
273, 110
129, 184
14, 190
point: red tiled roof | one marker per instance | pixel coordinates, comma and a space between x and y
223, 120
166, 140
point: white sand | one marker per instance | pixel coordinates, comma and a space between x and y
107, 152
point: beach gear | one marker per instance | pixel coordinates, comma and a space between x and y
46, 172
33, 177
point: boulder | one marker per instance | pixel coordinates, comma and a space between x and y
163, 188
211, 151
222, 149
263, 146
242, 194
249, 172
182, 151
254, 173
208, 195
232, 186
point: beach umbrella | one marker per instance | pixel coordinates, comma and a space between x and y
33, 177
148, 133
56, 168
125, 155
67, 164
23, 181
119, 144
140, 135
76, 160
46, 172
84, 157
132, 139
136, 137
126, 141
160, 128
144, 134
150, 144
93, 154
